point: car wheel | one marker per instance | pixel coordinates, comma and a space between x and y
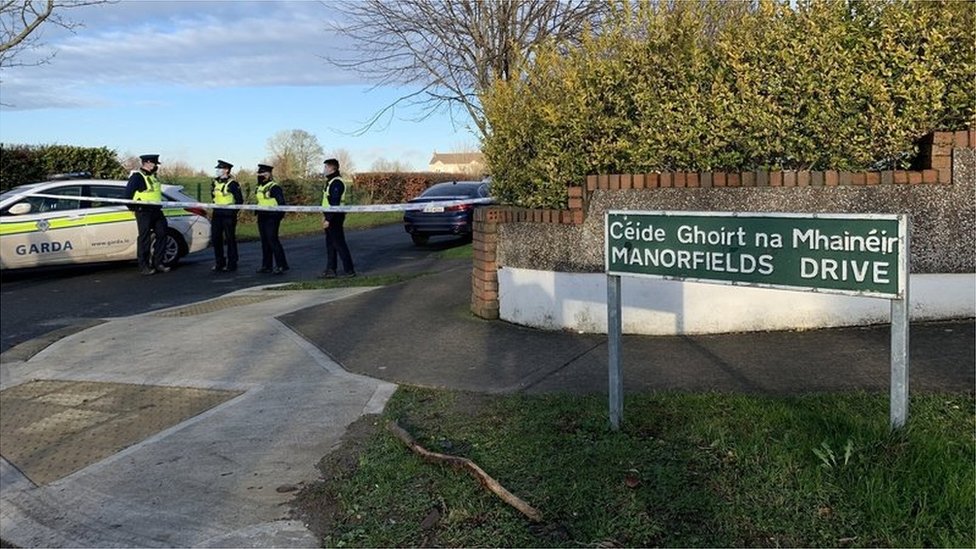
419, 239
175, 248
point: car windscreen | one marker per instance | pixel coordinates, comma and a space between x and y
17, 190
47, 204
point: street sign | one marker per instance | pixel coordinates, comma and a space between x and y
835, 253
852, 254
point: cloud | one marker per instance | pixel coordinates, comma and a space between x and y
192, 44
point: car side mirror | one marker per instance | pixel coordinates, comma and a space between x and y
20, 208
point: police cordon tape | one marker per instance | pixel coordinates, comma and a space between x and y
302, 209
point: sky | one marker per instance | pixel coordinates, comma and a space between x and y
201, 80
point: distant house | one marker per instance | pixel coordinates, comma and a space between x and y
470, 163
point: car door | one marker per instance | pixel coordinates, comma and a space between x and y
112, 230
50, 232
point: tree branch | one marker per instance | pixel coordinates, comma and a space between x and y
463, 463
453, 49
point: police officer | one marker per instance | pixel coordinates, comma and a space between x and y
335, 235
144, 188
223, 224
270, 193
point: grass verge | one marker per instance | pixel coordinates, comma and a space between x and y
457, 252
298, 224
356, 281
685, 470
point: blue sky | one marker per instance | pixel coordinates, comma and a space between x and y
199, 80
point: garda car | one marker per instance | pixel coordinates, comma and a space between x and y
37, 231
439, 220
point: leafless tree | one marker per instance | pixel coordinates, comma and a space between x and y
20, 20
295, 153
391, 166
176, 168
346, 166
452, 49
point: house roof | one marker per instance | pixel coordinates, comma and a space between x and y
457, 158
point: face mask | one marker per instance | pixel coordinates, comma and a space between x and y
220, 173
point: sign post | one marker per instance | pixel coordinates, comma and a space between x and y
614, 331
850, 254
899, 348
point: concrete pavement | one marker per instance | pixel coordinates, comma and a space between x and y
422, 333
219, 479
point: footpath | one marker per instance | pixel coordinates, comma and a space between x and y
194, 426
188, 427
422, 333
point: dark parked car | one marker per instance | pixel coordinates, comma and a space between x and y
439, 220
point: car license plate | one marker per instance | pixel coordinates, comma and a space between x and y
433, 209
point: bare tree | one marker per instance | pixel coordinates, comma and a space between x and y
20, 20
176, 168
392, 166
453, 49
295, 153
346, 165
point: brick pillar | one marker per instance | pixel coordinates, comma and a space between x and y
484, 275
577, 204
938, 148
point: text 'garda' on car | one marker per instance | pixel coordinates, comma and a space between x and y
37, 231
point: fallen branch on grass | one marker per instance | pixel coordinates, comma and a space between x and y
463, 463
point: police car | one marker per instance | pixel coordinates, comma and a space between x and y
40, 231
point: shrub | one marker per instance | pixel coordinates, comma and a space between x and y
21, 164
732, 86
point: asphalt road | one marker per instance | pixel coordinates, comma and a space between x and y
35, 302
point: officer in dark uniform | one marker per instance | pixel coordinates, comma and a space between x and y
335, 234
148, 191
223, 223
270, 193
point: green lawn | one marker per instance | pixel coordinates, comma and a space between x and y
297, 224
685, 470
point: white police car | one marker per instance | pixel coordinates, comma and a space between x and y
37, 231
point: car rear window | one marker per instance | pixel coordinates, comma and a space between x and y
457, 189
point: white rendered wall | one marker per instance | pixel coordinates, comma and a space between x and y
578, 301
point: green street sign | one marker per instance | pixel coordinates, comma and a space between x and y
856, 254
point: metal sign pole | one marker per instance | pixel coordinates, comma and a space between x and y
614, 330
899, 338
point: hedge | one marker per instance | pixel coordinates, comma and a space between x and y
711, 85
20, 164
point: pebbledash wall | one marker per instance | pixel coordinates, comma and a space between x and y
544, 268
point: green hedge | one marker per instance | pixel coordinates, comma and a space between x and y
364, 188
397, 187
20, 164
713, 85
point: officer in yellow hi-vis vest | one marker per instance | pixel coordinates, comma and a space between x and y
147, 190
335, 234
270, 193
223, 223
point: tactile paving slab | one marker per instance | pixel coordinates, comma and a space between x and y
50, 429
218, 304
